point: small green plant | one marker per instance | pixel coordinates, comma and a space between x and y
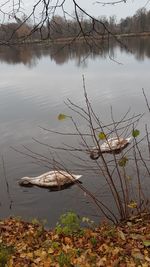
5, 253
64, 260
93, 241
55, 245
69, 224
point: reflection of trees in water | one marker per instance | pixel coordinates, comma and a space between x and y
16, 55
78, 51
28, 55
140, 47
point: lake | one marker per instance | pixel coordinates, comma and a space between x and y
35, 82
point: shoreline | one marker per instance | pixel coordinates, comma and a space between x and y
71, 40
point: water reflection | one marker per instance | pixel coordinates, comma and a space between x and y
29, 55
140, 47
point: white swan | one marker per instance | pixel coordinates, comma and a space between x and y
51, 179
114, 144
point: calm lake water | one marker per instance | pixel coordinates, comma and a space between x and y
35, 82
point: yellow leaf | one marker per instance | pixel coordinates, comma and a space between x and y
43, 254
146, 243
30, 255
144, 265
37, 260
50, 251
147, 258
37, 253
62, 117
102, 136
132, 204
121, 234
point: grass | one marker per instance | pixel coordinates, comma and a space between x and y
5, 254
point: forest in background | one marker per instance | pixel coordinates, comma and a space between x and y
61, 27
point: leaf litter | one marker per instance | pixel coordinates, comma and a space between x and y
124, 245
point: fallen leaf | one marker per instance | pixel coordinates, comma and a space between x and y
146, 243
121, 235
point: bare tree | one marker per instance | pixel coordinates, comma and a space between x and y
125, 172
43, 21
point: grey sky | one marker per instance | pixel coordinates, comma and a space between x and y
120, 10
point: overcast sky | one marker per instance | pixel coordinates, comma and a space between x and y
121, 10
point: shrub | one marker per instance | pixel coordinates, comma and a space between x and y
69, 224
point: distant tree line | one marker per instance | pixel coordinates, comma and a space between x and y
140, 22
81, 26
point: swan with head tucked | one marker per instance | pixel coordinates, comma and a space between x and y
50, 179
115, 144
111, 145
